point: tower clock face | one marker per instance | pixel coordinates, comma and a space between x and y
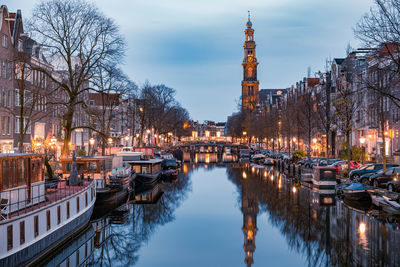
251, 59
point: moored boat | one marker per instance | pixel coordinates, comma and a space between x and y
35, 220
148, 171
324, 177
356, 192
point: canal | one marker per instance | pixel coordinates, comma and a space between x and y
236, 215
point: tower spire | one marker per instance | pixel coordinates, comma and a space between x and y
248, 11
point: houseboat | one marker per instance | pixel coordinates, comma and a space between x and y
113, 184
148, 171
35, 220
324, 178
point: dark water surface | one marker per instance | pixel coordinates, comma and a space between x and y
233, 215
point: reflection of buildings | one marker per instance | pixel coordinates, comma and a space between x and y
250, 211
326, 232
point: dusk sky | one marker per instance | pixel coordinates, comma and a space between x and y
196, 47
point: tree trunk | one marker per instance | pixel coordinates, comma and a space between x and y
348, 149
68, 131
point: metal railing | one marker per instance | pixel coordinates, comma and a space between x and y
42, 199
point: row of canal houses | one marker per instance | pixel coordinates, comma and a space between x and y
365, 80
40, 117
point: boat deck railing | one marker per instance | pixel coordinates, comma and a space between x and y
47, 197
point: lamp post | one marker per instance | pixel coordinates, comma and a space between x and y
110, 141
315, 146
91, 145
244, 135
362, 141
294, 143
148, 136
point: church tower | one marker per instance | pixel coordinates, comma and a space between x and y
250, 83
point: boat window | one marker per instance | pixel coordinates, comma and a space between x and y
81, 167
67, 209
21, 171
22, 232
145, 169
92, 166
137, 168
68, 167
5, 181
9, 237
86, 199
48, 219
36, 226
108, 164
77, 205
58, 214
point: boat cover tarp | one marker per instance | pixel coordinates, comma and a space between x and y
355, 186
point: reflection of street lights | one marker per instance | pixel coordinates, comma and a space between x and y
91, 143
362, 141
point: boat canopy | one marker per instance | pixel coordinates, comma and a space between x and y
355, 186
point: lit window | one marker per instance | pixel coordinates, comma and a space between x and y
4, 40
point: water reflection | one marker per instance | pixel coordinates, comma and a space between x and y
326, 232
315, 228
133, 224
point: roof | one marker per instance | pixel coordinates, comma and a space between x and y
339, 60
145, 161
312, 81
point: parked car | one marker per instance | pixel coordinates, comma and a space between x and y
342, 165
381, 178
368, 169
393, 185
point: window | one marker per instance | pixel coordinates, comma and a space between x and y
16, 126
4, 40
17, 99
91, 102
58, 214
3, 125
9, 237
3, 69
36, 226
3, 97
9, 70
48, 219
86, 199
9, 98
20, 46
67, 209
8, 125
22, 232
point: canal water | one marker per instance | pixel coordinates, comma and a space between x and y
236, 215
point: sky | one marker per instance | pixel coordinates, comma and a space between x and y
196, 46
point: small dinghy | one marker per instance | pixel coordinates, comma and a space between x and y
356, 192
392, 206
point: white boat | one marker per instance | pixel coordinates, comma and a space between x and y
324, 177
35, 218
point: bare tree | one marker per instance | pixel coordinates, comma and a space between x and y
78, 37
380, 29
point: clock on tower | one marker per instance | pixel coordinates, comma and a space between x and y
250, 84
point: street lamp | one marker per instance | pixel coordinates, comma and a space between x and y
127, 139
362, 141
315, 146
110, 141
294, 143
91, 143
148, 136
